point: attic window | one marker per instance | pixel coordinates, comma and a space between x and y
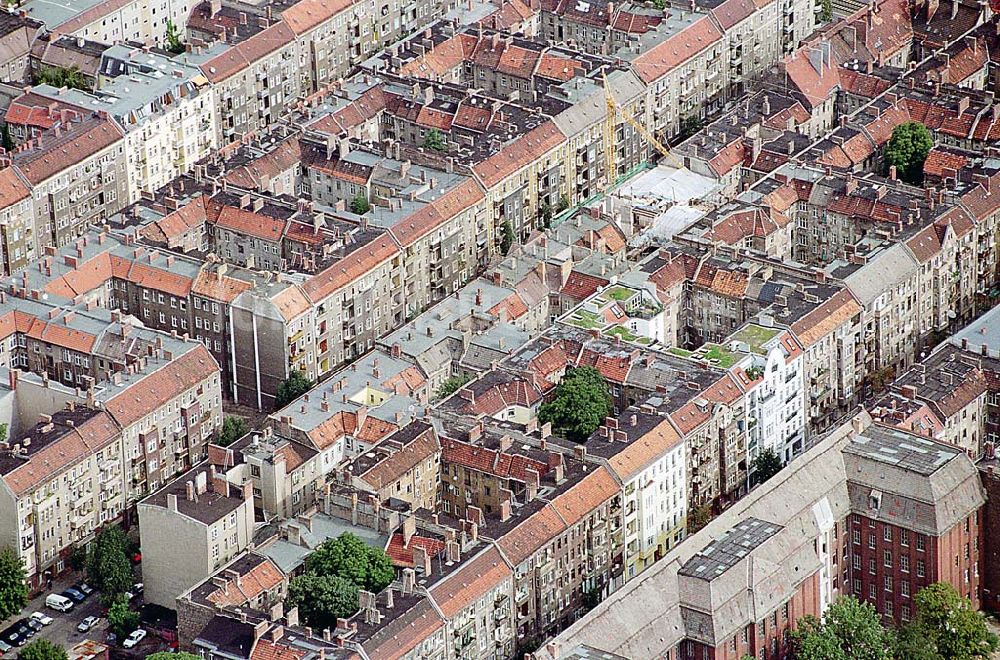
875, 500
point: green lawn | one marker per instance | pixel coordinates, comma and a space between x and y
755, 336
619, 293
725, 358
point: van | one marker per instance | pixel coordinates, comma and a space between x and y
59, 603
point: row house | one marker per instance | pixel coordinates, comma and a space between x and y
111, 22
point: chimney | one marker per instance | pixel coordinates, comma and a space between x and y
409, 529
189, 491
422, 559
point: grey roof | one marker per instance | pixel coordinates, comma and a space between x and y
289, 556
883, 271
984, 331
729, 549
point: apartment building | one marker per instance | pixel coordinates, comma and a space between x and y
844, 522
17, 221
63, 478
164, 106
201, 512
78, 178
112, 22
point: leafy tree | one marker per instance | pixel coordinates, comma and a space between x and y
698, 517
849, 630
907, 150
350, 558
826, 11
880, 378
689, 126
451, 386
122, 619
765, 465
108, 566
360, 204
545, 212
292, 388
174, 43
13, 588
591, 598
910, 644
233, 428
580, 404
167, 655
508, 237
563, 204
322, 599
71, 77
42, 649
434, 140
948, 624
8, 145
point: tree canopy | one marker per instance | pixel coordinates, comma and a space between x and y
108, 565
907, 150
233, 428
434, 140
322, 599
849, 630
174, 42
167, 655
13, 588
350, 558
949, 626
765, 465
451, 386
122, 619
580, 404
291, 388
71, 77
360, 204
507, 239
42, 649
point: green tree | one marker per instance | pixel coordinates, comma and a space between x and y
322, 599
698, 517
849, 630
174, 43
563, 204
451, 386
826, 11
689, 126
765, 465
233, 428
13, 588
167, 655
907, 150
42, 649
910, 644
948, 624
8, 145
122, 619
360, 204
434, 140
350, 558
71, 77
108, 565
508, 237
292, 388
580, 404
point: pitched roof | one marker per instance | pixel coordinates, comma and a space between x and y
827, 317
637, 455
150, 392
518, 154
55, 154
676, 49
468, 584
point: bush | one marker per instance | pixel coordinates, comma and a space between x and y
580, 405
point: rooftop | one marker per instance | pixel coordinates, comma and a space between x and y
729, 549
904, 450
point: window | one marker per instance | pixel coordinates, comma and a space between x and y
904, 563
871, 566
920, 568
904, 537
887, 534
888, 583
871, 540
856, 536
920, 543
887, 559
904, 588
872, 591
904, 612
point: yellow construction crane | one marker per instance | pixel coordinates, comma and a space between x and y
610, 151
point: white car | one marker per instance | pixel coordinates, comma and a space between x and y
87, 624
42, 618
134, 639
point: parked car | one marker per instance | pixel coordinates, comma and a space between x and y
84, 588
12, 636
134, 639
35, 624
135, 591
87, 624
26, 628
75, 595
4, 647
59, 602
42, 618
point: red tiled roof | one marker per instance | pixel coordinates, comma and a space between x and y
469, 583
402, 556
519, 154
262, 578
258, 225
580, 286
346, 270
668, 54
